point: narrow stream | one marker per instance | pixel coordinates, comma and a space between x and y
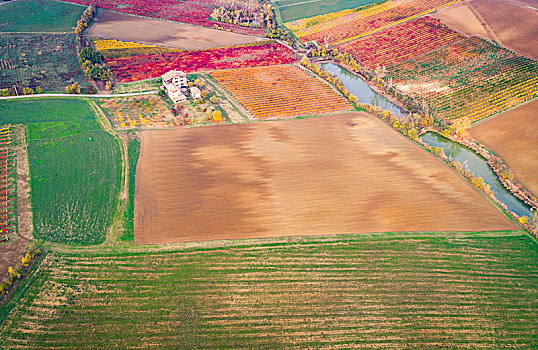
479, 167
358, 87
475, 163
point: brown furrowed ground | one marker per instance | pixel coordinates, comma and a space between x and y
515, 25
514, 137
112, 25
344, 173
461, 18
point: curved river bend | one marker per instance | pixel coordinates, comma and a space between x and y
453, 150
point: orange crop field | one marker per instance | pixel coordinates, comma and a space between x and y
280, 91
346, 173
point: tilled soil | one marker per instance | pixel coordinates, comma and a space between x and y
513, 136
112, 25
514, 24
344, 173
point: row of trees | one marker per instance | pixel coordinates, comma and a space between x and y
14, 273
85, 20
18, 91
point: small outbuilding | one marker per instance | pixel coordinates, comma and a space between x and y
196, 93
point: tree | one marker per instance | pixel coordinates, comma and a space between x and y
73, 88
38, 90
217, 116
213, 99
27, 91
90, 54
461, 125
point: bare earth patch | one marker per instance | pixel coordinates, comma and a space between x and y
515, 25
514, 137
12, 251
462, 19
112, 25
337, 174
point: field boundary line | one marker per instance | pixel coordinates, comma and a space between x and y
79, 95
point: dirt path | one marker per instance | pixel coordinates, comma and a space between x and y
24, 208
13, 250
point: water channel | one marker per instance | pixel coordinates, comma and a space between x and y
453, 150
358, 87
479, 167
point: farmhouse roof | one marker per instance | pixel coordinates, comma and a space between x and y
195, 90
172, 74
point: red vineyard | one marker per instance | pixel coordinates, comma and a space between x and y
141, 67
7, 188
401, 43
191, 12
363, 23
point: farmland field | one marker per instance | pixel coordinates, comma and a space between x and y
74, 167
191, 12
433, 70
144, 66
518, 31
461, 18
347, 25
47, 16
46, 60
124, 27
448, 290
291, 10
400, 43
280, 91
315, 176
138, 111
513, 137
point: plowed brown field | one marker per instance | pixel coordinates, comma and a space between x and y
514, 24
336, 174
514, 137
112, 25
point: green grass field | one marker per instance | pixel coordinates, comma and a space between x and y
74, 168
475, 290
133, 152
290, 10
39, 16
46, 60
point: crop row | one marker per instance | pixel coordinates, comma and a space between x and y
7, 194
457, 59
486, 91
280, 91
359, 24
184, 11
146, 66
400, 43
428, 291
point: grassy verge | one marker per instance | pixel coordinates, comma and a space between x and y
133, 152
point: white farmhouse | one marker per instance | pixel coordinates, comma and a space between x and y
172, 82
196, 93
175, 77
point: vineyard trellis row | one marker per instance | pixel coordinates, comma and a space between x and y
7, 188
400, 43
280, 91
358, 24
146, 66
